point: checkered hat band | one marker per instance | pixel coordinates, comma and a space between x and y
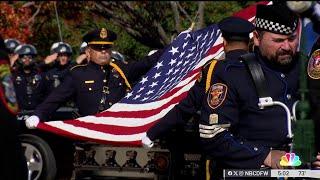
273, 26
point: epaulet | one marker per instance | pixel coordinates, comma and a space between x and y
76, 66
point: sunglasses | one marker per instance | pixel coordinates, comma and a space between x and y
26, 56
63, 54
100, 47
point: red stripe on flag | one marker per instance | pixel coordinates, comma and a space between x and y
214, 49
144, 113
250, 11
173, 91
78, 137
111, 129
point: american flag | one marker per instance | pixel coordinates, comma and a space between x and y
155, 95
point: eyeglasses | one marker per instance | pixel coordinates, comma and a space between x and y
100, 47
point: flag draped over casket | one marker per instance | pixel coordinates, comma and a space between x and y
155, 95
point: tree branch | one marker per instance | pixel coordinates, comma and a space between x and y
28, 4
176, 15
184, 12
200, 12
35, 14
162, 33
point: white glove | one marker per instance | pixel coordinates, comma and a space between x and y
146, 142
32, 122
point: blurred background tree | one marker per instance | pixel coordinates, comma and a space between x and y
141, 25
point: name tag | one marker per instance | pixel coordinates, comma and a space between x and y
89, 82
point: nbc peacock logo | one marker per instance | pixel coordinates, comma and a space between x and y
290, 159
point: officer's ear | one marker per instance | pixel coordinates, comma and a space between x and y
256, 38
87, 51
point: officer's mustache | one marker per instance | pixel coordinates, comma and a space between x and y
283, 52
104, 57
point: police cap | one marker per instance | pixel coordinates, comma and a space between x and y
54, 46
235, 28
26, 49
276, 19
63, 48
100, 39
11, 44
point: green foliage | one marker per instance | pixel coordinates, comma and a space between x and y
217, 10
77, 18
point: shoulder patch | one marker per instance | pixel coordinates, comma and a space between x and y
76, 66
216, 95
314, 65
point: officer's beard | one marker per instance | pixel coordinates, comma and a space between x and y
283, 58
282, 61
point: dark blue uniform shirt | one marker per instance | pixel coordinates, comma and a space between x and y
56, 75
31, 88
94, 87
189, 105
232, 100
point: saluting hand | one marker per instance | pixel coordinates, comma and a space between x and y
13, 59
81, 58
49, 59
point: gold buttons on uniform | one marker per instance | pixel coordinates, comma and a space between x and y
104, 80
90, 89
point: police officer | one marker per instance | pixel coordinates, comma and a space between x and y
233, 128
235, 32
13, 163
98, 84
314, 86
314, 99
29, 83
57, 73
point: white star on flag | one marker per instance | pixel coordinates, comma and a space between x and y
174, 50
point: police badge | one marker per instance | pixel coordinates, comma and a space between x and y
103, 33
314, 65
217, 95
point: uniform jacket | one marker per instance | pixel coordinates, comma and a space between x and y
30, 88
233, 130
190, 104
